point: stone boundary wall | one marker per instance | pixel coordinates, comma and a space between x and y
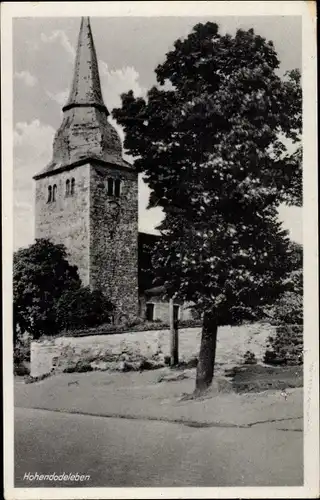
107, 352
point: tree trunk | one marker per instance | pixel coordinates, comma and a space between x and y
205, 367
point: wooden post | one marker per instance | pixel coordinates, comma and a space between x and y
174, 336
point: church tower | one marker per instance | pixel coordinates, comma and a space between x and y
87, 197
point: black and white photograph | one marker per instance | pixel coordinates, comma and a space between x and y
161, 305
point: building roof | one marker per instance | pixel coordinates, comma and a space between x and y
85, 134
155, 291
86, 88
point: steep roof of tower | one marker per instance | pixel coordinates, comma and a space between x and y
86, 88
85, 134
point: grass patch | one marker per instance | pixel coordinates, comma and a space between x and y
258, 378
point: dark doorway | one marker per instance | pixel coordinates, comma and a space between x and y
150, 312
176, 313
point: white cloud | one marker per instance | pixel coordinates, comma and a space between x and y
148, 219
290, 146
60, 97
32, 147
291, 218
33, 136
60, 37
116, 82
26, 78
32, 45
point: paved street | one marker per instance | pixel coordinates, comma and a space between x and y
138, 452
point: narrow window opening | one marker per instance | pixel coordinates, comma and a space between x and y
150, 312
110, 187
117, 187
72, 186
54, 192
67, 187
49, 194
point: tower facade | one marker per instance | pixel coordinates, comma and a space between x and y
87, 197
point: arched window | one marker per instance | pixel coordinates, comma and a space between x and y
110, 187
72, 186
49, 194
54, 192
117, 187
67, 187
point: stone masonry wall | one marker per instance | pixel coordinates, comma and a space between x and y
107, 352
114, 239
66, 220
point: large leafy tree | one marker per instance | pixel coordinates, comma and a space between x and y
211, 141
48, 296
41, 274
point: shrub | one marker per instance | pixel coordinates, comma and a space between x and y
79, 367
48, 295
289, 309
41, 273
286, 346
21, 354
136, 326
249, 358
82, 308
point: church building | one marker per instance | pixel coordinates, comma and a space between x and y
87, 198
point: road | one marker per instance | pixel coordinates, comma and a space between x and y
121, 452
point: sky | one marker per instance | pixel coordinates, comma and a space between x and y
128, 50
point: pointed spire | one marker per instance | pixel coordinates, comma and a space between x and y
85, 134
86, 88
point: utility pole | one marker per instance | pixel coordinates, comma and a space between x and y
174, 335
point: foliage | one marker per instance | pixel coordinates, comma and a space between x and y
22, 348
79, 367
80, 308
146, 247
21, 354
210, 140
41, 274
145, 326
249, 358
288, 309
48, 295
286, 347
296, 255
